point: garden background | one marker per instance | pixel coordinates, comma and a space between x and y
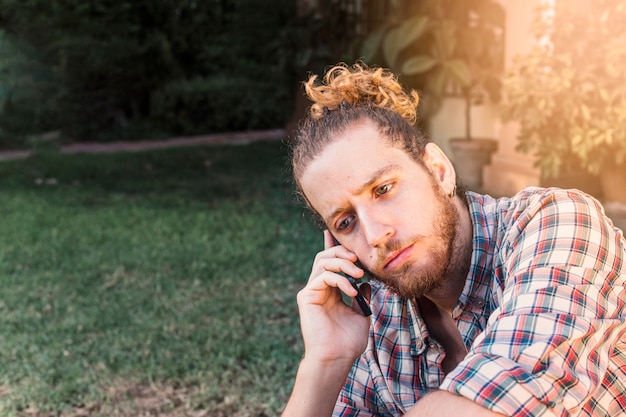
154, 282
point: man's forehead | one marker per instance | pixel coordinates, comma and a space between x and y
350, 164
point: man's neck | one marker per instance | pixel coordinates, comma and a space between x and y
443, 328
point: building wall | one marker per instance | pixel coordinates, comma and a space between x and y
509, 171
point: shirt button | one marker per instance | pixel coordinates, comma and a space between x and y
480, 302
419, 343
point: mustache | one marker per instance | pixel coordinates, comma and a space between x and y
391, 246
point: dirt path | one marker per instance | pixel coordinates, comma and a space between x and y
234, 138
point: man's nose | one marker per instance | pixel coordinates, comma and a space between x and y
377, 229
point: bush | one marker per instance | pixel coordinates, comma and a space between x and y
218, 103
569, 92
107, 70
27, 91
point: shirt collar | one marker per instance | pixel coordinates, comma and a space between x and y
477, 295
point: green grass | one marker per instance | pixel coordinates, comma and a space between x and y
175, 270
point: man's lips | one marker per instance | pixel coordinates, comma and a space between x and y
398, 258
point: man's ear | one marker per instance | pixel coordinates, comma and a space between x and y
441, 167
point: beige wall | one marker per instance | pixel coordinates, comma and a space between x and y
449, 122
510, 171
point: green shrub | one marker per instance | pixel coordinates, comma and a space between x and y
27, 92
219, 103
107, 70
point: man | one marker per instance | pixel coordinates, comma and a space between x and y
480, 306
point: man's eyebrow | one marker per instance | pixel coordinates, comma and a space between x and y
376, 177
363, 188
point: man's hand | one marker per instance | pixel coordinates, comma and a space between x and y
332, 330
334, 334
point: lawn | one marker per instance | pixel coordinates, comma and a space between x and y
153, 283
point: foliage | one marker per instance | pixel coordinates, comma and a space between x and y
173, 269
201, 104
103, 70
569, 92
26, 83
443, 47
328, 30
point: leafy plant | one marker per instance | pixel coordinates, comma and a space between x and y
98, 66
569, 92
328, 29
220, 103
28, 89
443, 47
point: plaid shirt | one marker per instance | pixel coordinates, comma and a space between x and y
542, 315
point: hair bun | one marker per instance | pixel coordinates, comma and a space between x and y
360, 86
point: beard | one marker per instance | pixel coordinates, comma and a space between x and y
446, 258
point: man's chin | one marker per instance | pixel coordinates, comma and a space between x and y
410, 285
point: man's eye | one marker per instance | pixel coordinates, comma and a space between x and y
345, 223
383, 189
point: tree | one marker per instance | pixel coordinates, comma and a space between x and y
135, 68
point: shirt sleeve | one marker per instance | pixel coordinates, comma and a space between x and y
355, 387
358, 396
554, 338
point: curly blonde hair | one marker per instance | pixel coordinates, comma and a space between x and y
360, 86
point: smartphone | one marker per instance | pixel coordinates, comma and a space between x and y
365, 308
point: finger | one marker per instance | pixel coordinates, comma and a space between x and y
319, 289
334, 250
341, 282
329, 240
336, 265
327, 279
